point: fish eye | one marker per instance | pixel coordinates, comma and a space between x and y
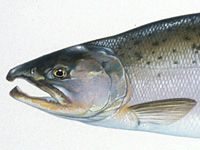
60, 72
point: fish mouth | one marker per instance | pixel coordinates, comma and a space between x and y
19, 95
56, 101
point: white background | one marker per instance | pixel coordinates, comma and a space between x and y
29, 29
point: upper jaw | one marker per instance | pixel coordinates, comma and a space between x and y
13, 73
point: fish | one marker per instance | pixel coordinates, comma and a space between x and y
145, 79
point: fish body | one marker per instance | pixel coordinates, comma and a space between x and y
144, 79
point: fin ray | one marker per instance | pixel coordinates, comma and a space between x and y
163, 112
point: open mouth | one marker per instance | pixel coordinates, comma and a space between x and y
56, 103
18, 94
47, 103
56, 99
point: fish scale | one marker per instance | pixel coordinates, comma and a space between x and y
144, 79
162, 60
160, 38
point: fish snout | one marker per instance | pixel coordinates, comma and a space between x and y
14, 73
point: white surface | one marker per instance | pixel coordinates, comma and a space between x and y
29, 29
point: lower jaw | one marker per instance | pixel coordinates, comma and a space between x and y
47, 104
39, 102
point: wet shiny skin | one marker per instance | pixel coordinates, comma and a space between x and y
154, 62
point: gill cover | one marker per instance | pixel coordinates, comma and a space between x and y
119, 87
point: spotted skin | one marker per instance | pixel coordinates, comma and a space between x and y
154, 68
162, 60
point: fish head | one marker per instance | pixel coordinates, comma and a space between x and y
82, 81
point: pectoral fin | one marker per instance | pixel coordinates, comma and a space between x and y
162, 112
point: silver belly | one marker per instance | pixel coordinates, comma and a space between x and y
158, 84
